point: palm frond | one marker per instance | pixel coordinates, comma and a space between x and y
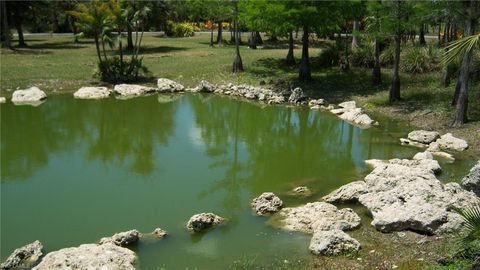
459, 47
471, 216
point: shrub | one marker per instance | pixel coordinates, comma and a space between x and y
113, 70
416, 59
169, 26
183, 30
330, 56
363, 56
387, 56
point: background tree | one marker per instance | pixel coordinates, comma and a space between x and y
237, 60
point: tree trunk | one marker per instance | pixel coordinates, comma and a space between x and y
376, 72
447, 74
211, 36
237, 61
356, 28
458, 85
305, 73
439, 36
18, 25
446, 32
219, 34
129, 39
290, 56
395, 88
462, 102
97, 46
252, 41
5, 27
421, 37
259, 38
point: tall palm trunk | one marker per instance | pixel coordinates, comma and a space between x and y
290, 56
376, 71
18, 25
252, 41
356, 28
305, 73
129, 38
462, 102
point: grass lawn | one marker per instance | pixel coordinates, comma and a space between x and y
57, 64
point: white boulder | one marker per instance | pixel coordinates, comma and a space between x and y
92, 93
449, 142
129, 90
423, 136
333, 242
30, 96
167, 85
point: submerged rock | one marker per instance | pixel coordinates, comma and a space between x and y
318, 216
472, 180
333, 242
449, 142
347, 193
406, 195
122, 239
30, 96
92, 93
266, 203
301, 191
348, 111
89, 256
404, 141
132, 89
204, 221
167, 98
23, 256
423, 136
167, 85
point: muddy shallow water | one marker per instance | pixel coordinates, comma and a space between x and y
73, 171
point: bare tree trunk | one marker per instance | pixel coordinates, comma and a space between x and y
219, 34
252, 40
395, 87
237, 61
376, 72
356, 28
129, 38
461, 107
259, 38
290, 56
439, 33
18, 25
305, 73
211, 36
421, 37
6, 29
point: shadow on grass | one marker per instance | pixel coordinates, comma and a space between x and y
160, 49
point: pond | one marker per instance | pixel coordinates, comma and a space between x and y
73, 171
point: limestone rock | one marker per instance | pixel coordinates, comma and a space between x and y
449, 142
266, 203
347, 193
433, 147
89, 256
3, 100
159, 232
204, 221
205, 87
404, 141
351, 114
296, 96
318, 216
364, 120
423, 136
122, 239
337, 111
472, 180
92, 93
316, 102
349, 105
167, 85
444, 155
132, 89
25, 255
423, 155
406, 195
333, 242
30, 96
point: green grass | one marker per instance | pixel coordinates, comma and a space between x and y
57, 64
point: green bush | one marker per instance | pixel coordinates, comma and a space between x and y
363, 56
113, 70
414, 59
387, 56
183, 30
169, 26
330, 56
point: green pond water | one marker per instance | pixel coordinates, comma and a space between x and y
73, 171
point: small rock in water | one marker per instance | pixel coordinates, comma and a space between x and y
301, 191
159, 232
423, 155
31, 96
122, 239
92, 93
449, 142
204, 221
423, 136
472, 180
296, 96
167, 85
266, 203
27, 254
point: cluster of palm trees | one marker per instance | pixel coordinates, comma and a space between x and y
106, 22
